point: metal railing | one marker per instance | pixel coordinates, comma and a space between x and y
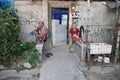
97, 35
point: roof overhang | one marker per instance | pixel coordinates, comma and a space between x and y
112, 4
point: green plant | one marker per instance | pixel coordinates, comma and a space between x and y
10, 46
28, 45
32, 56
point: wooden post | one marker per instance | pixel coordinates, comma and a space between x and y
117, 42
115, 34
117, 28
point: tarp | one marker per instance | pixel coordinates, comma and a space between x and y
6, 3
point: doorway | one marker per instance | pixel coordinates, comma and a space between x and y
60, 17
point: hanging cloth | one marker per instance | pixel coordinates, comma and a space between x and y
81, 29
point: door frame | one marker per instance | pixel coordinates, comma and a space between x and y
50, 23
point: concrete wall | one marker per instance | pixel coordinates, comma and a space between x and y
99, 20
31, 12
99, 15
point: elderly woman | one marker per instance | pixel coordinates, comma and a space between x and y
74, 33
41, 33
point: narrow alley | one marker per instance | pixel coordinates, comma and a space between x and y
61, 66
